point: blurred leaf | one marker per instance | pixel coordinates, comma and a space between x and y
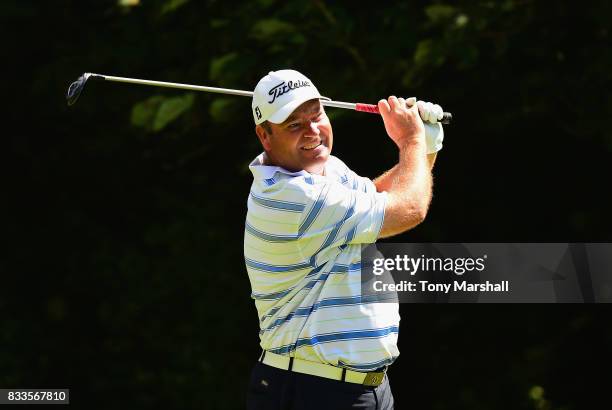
422, 54
222, 109
508, 5
428, 53
218, 23
128, 3
536, 393
144, 112
461, 20
268, 28
156, 112
172, 5
170, 109
276, 31
439, 12
219, 65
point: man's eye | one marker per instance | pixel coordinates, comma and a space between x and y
294, 125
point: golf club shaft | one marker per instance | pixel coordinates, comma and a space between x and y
172, 85
373, 109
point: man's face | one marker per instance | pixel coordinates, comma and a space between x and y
303, 142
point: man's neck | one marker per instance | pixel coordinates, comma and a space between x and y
266, 161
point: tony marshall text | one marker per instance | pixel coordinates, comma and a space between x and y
456, 286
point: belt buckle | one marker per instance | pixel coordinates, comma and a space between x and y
374, 379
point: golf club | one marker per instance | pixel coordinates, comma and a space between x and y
76, 88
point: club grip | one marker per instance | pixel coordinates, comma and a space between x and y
447, 117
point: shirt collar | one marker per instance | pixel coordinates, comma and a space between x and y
261, 171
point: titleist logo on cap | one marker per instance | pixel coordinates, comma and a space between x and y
284, 88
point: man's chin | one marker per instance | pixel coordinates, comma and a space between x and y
317, 166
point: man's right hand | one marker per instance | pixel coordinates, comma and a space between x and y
402, 120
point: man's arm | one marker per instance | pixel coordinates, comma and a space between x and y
383, 182
409, 183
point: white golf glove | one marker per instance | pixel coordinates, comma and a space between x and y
430, 112
434, 134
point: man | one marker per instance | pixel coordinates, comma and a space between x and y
325, 347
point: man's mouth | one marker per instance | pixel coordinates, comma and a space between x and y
311, 146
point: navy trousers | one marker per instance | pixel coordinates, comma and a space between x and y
275, 389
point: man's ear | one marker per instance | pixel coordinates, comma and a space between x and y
264, 137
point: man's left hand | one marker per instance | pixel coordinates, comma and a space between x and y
429, 112
434, 133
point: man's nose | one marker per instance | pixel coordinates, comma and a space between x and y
313, 129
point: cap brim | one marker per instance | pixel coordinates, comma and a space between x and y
282, 114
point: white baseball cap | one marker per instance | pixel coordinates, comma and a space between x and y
279, 93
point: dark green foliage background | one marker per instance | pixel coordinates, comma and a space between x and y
123, 278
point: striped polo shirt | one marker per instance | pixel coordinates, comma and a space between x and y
302, 249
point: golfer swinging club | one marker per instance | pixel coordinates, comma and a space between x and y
308, 214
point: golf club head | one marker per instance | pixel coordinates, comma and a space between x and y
76, 88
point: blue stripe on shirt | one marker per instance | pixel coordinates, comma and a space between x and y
266, 267
314, 212
264, 236
278, 205
271, 296
350, 235
331, 237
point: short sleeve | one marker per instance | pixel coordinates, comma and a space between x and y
339, 215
